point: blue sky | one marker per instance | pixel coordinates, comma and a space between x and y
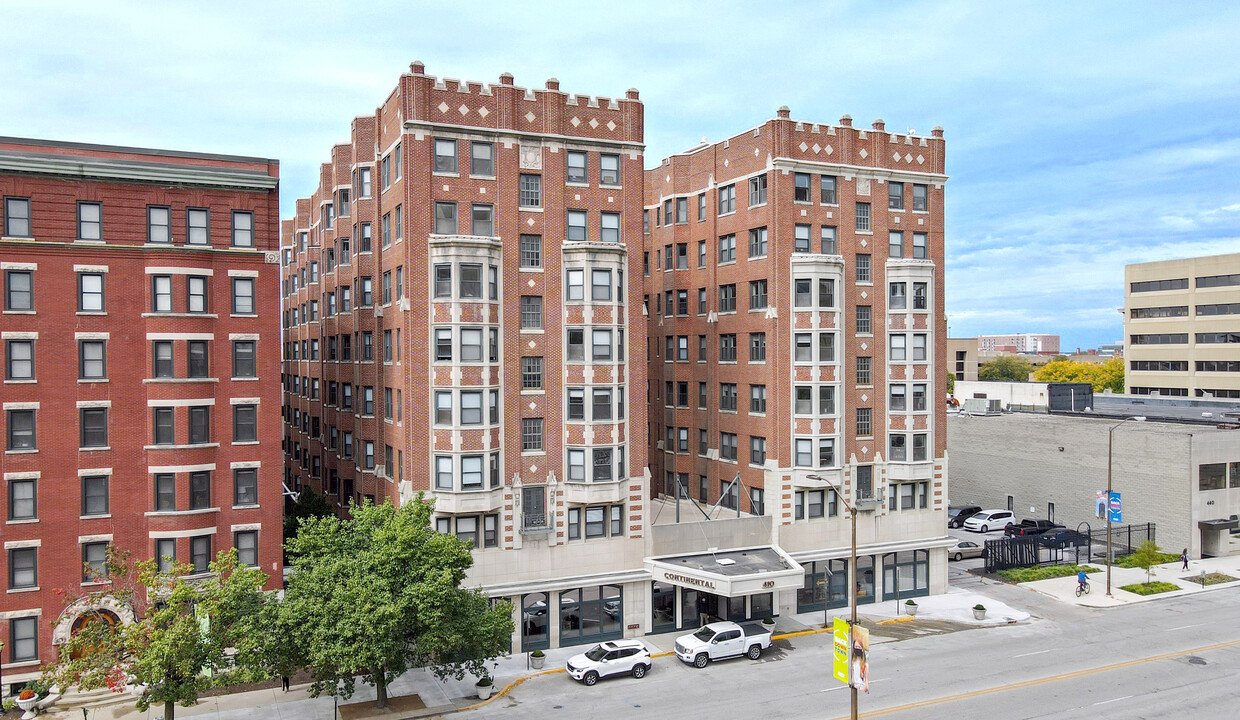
1081, 136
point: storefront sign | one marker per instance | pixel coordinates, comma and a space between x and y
673, 577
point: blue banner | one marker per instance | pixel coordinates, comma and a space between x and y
1117, 514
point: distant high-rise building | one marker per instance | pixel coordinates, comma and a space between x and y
1182, 327
1019, 343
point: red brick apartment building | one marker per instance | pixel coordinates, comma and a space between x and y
463, 304
141, 354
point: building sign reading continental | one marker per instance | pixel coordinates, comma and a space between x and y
676, 578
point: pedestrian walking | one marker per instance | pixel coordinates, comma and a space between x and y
284, 682
1184, 559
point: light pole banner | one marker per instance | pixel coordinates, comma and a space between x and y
843, 643
1117, 514
861, 658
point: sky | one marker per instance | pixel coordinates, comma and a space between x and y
1080, 136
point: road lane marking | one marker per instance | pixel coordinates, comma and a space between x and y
1040, 681
1104, 702
1039, 652
1183, 627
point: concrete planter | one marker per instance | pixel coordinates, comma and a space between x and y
979, 613
484, 691
910, 609
536, 661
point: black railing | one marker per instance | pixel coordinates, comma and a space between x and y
534, 521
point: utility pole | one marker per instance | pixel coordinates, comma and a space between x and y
852, 580
1110, 447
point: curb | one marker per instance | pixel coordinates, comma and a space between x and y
1182, 592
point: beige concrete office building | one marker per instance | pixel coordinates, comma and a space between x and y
1182, 324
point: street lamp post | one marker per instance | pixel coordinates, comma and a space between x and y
852, 580
1110, 449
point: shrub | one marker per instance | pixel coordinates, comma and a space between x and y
1045, 572
1130, 561
484, 681
536, 653
1151, 588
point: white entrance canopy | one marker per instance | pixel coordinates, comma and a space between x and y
735, 572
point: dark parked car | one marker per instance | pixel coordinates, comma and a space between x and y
957, 514
1030, 526
1063, 537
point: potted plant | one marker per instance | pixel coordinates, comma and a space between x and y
768, 621
26, 700
537, 658
979, 612
910, 607
484, 687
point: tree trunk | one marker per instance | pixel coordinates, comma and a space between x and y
381, 696
170, 710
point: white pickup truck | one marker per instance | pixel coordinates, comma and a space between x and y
720, 640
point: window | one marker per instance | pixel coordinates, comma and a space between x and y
94, 557
18, 290
802, 292
445, 157
471, 281
863, 217
531, 373
897, 397
826, 190
242, 229
165, 492
531, 434
895, 196
245, 423
196, 294
158, 224
196, 362
483, 221
577, 167
863, 268
727, 199
92, 363
803, 347
727, 348
919, 347
897, 296
601, 345
23, 502
800, 183
577, 226
895, 243
919, 398
243, 359
757, 242
482, 159
531, 312
803, 400
1210, 281
163, 427
600, 285
601, 404
864, 424
801, 239
531, 190
1160, 285
863, 320
919, 455
90, 221
199, 490
90, 292
23, 568
920, 200
727, 396
727, 298
727, 446
199, 425
757, 190
21, 435
609, 169
610, 227
920, 250
445, 218
95, 495
757, 399
863, 371
246, 543
17, 217
757, 450
727, 249
19, 360
200, 553
23, 639
243, 296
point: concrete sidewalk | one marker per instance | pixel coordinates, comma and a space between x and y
1064, 588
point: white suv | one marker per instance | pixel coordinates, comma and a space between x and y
614, 657
988, 520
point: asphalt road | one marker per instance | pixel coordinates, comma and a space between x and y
1173, 658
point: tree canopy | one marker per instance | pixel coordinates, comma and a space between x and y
377, 593
310, 503
175, 648
951, 383
1007, 368
1105, 376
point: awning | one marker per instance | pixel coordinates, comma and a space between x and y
1220, 524
734, 572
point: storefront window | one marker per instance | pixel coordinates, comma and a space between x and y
534, 627
760, 606
663, 604
591, 614
906, 574
865, 580
825, 581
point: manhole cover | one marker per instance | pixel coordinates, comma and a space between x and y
1194, 660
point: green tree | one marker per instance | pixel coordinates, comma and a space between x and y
1110, 376
1145, 557
175, 648
951, 383
1059, 358
1006, 368
309, 504
378, 593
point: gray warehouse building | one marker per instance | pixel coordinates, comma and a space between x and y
1179, 469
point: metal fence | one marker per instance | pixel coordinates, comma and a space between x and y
1080, 547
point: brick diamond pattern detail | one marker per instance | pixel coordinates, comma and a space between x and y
863, 153
908, 157
593, 123
611, 124
529, 117
803, 146
921, 160
895, 156
575, 121
443, 107
816, 148
828, 149
463, 110
484, 112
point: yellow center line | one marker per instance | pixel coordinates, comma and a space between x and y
1039, 681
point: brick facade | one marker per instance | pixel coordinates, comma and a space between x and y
94, 231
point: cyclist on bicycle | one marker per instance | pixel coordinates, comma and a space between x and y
1082, 581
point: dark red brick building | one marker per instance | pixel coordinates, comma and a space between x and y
141, 346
